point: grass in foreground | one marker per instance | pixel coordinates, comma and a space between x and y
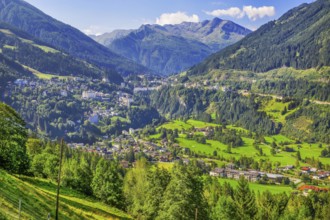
38, 199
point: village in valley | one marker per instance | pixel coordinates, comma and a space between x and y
106, 104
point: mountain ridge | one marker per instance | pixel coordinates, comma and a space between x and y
179, 46
297, 39
21, 51
26, 17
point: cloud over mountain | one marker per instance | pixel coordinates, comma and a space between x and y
176, 18
253, 13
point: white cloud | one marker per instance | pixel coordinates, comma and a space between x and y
253, 13
232, 12
94, 30
176, 18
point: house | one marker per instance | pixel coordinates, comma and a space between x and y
218, 172
64, 93
105, 80
89, 95
21, 82
305, 170
124, 163
288, 167
275, 178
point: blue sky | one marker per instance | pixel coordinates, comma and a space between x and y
99, 16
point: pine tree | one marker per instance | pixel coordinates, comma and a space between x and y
183, 198
245, 200
107, 184
157, 183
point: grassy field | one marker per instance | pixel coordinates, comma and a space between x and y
180, 125
260, 187
284, 158
44, 75
46, 49
38, 199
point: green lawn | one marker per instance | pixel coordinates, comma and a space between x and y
259, 187
274, 109
114, 118
44, 75
38, 199
200, 124
9, 47
176, 124
46, 49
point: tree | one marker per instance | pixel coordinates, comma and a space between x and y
136, 188
225, 209
157, 183
13, 137
298, 156
107, 183
183, 196
273, 152
245, 200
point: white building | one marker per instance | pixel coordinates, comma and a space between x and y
64, 93
89, 95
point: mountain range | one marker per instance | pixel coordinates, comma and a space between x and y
63, 37
298, 39
173, 48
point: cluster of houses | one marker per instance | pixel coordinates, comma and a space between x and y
250, 175
254, 175
100, 96
125, 143
315, 173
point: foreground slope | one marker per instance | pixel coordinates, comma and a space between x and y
299, 39
39, 197
24, 16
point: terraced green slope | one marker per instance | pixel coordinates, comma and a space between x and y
38, 199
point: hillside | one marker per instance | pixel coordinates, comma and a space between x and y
63, 37
299, 39
39, 197
24, 50
173, 48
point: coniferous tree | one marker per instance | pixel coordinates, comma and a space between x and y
245, 200
183, 198
107, 183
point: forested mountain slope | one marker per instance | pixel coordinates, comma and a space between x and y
299, 39
20, 49
24, 16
